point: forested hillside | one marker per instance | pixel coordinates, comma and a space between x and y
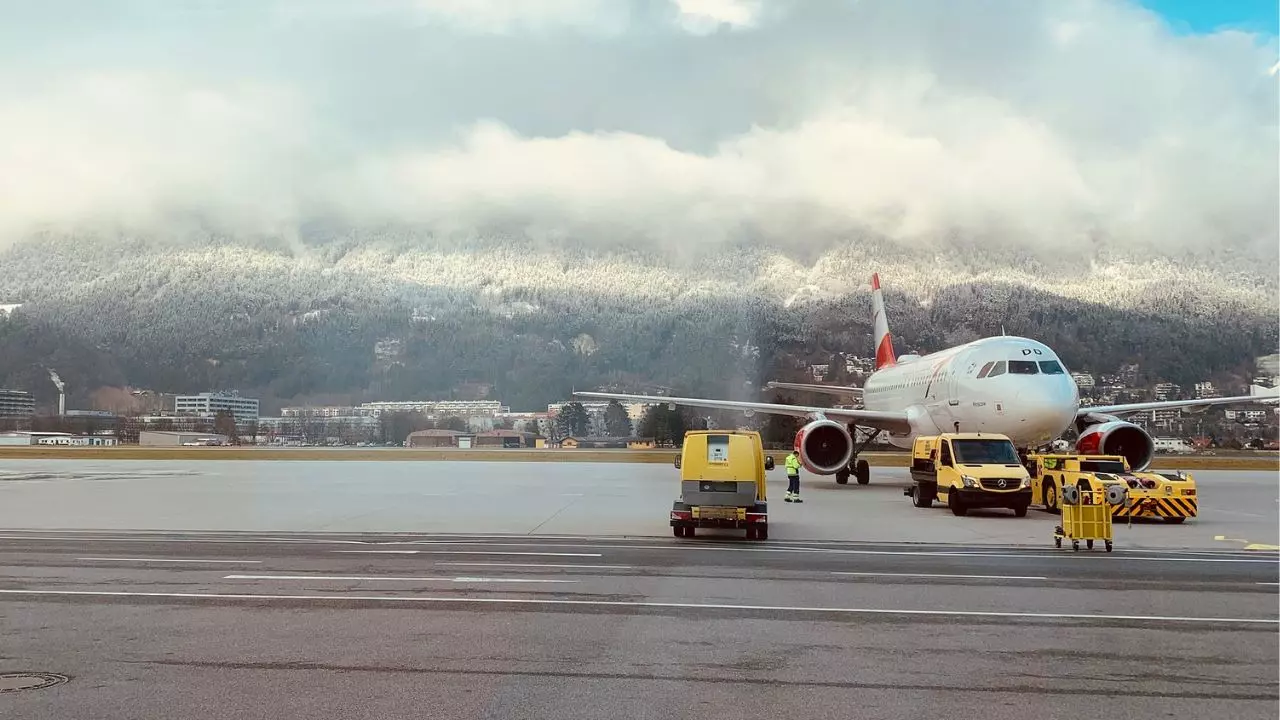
363, 316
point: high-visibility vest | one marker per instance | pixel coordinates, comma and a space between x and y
793, 465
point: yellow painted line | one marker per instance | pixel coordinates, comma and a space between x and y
1260, 546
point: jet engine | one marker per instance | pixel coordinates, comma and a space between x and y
824, 447
1118, 437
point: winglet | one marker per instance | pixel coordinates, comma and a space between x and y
885, 356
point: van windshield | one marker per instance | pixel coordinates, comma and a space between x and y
985, 452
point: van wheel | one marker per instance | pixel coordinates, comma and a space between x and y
1020, 510
919, 498
862, 469
957, 505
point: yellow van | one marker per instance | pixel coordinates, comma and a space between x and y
968, 470
722, 483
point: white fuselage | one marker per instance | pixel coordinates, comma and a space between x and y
1008, 385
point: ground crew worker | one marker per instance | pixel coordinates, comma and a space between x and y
793, 477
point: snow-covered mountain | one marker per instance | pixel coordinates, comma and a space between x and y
317, 314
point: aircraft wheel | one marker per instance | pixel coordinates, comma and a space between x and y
842, 477
862, 469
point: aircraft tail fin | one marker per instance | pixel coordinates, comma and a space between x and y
885, 356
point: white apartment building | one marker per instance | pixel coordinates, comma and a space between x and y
243, 409
1083, 380
16, 404
1206, 389
441, 408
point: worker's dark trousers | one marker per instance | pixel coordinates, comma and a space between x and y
793, 484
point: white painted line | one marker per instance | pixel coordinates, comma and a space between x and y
535, 565
503, 552
394, 578
929, 575
550, 602
170, 560
383, 552
1271, 584
819, 551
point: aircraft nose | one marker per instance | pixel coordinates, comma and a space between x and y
1052, 408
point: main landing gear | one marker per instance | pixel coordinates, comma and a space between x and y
859, 469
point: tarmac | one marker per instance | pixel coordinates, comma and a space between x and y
473, 590
255, 625
1237, 508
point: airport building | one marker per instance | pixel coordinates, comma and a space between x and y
16, 404
243, 409
162, 438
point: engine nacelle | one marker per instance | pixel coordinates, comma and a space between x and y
824, 447
1118, 437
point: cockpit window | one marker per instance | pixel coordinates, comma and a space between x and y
997, 370
985, 369
1051, 367
1023, 367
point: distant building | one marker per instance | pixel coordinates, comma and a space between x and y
162, 438
441, 408
16, 404
1167, 391
435, 439
507, 439
1172, 445
1083, 380
607, 443
210, 404
1206, 389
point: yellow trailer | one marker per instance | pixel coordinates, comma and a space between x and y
722, 483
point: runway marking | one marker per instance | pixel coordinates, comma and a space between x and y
1271, 584
536, 565
170, 560
819, 551
646, 604
931, 575
394, 578
384, 552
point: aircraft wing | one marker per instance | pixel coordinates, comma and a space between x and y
895, 422
820, 389
1171, 404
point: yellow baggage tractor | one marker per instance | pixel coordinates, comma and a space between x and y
1086, 515
1170, 497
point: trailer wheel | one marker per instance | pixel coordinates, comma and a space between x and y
751, 532
762, 532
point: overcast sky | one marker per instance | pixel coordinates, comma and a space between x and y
1047, 121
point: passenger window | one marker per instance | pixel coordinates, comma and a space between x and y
946, 453
997, 370
1023, 367
985, 369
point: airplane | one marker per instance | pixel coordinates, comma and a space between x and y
1009, 385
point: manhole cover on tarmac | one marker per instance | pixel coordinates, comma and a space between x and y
13, 682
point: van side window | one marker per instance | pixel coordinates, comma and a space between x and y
946, 453
985, 369
997, 370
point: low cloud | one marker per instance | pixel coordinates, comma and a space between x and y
1042, 124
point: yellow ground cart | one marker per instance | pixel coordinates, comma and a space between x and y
722, 483
1086, 515
1168, 496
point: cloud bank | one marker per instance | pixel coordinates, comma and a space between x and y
1043, 123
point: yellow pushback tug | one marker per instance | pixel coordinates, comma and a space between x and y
722, 483
1171, 497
